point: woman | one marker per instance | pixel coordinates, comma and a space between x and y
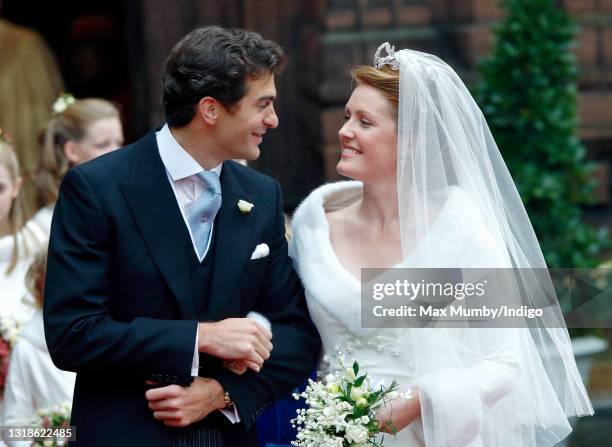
432, 191
81, 130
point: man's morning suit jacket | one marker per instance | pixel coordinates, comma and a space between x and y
119, 301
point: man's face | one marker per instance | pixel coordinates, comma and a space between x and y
240, 131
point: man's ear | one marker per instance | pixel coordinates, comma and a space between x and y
208, 108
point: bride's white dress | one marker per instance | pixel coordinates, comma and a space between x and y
333, 296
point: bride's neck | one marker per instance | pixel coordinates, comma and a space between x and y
379, 204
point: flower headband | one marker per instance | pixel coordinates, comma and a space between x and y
62, 103
389, 59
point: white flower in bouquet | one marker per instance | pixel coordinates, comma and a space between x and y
341, 410
350, 374
357, 433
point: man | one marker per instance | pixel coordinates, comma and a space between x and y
159, 250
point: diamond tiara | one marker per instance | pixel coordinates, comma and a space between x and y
389, 59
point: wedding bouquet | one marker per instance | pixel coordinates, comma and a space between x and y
55, 425
341, 410
9, 332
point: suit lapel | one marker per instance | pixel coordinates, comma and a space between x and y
154, 207
233, 245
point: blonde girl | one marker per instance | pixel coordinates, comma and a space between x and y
80, 130
18, 242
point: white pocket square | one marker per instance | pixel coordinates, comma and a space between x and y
261, 251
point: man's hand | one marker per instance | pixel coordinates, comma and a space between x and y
238, 367
236, 339
180, 406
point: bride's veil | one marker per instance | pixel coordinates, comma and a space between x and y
479, 386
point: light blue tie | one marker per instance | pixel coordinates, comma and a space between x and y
204, 210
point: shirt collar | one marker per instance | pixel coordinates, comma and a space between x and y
177, 161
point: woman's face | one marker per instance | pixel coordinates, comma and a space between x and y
368, 139
101, 136
9, 190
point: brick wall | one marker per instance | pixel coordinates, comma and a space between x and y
352, 32
459, 31
324, 38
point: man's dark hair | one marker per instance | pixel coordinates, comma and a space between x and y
214, 61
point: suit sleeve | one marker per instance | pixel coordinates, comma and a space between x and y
80, 332
296, 343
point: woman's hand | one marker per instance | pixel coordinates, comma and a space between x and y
398, 413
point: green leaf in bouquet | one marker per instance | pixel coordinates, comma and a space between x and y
372, 426
359, 412
345, 394
355, 368
375, 396
392, 387
359, 381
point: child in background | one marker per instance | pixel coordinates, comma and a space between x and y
80, 130
18, 242
33, 381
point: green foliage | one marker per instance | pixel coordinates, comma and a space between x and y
528, 95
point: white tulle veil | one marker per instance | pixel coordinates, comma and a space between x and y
479, 387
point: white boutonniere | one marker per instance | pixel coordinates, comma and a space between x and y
244, 206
